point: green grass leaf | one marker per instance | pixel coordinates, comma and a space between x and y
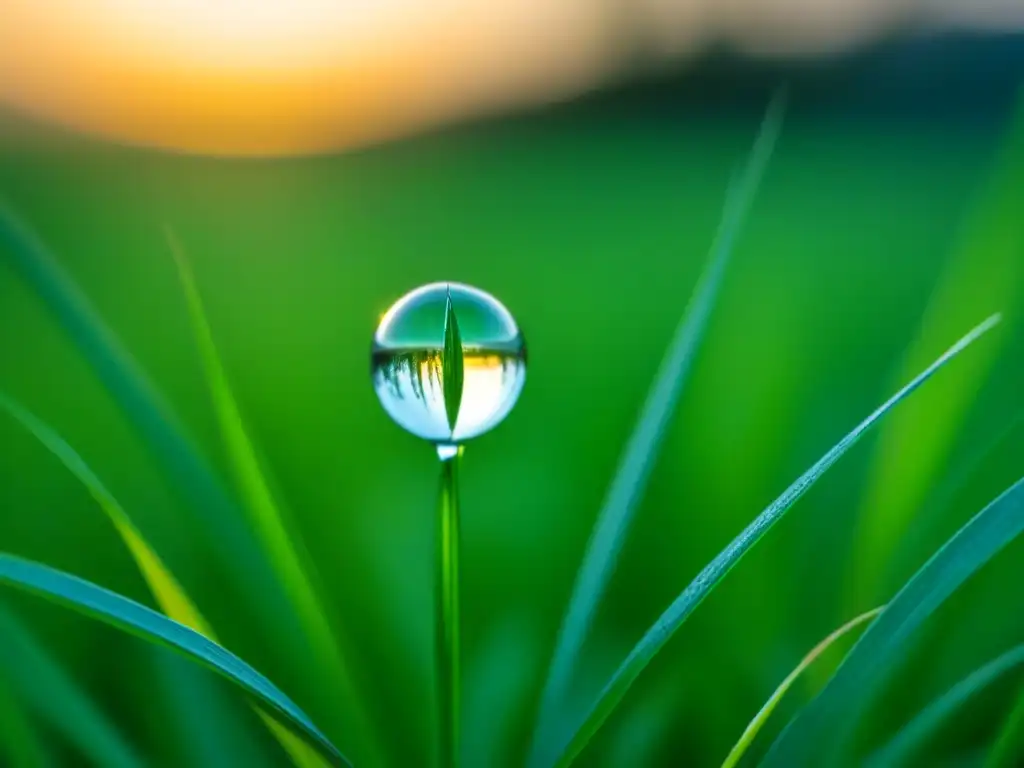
216, 513
915, 734
166, 589
983, 269
448, 625
637, 461
41, 682
751, 731
687, 601
819, 734
129, 616
451, 364
281, 542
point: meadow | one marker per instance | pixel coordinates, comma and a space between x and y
199, 335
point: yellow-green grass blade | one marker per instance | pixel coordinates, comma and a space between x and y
624, 495
688, 600
215, 513
280, 541
166, 589
914, 735
20, 746
131, 617
984, 271
821, 732
41, 682
751, 731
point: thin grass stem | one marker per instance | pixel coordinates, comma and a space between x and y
447, 610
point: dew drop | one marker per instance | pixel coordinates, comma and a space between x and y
407, 362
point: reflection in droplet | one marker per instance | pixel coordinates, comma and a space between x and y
407, 362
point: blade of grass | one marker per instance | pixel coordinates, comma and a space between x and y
282, 543
451, 364
133, 618
41, 681
911, 737
615, 517
820, 733
446, 619
983, 269
20, 746
216, 513
681, 608
741, 747
1008, 748
166, 589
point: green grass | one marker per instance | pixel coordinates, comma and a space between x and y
823, 728
917, 732
313, 508
131, 617
680, 609
626, 491
447, 618
283, 545
38, 681
750, 733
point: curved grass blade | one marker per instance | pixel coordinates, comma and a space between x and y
615, 517
451, 364
217, 515
166, 589
741, 747
820, 733
41, 681
914, 734
715, 571
129, 616
281, 541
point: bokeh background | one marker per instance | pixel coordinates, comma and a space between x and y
583, 188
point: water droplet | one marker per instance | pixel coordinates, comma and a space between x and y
408, 362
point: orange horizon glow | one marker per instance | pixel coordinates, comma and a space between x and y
282, 77
273, 77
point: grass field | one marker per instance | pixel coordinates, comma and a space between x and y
873, 244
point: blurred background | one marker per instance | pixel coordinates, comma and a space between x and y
318, 159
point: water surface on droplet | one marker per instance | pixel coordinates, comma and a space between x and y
407, 362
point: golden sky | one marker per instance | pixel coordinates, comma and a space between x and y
295, 76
